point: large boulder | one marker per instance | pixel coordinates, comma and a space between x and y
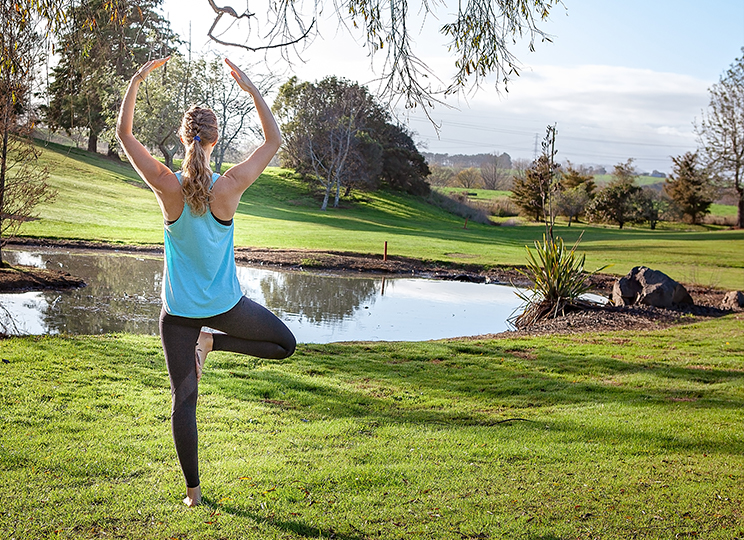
649, 287
733, 300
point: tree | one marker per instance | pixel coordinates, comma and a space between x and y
161, 102
648, 206
441, 176
614, 203
573, 177
321, 124
478, 33
689, 187
571, 203
531, 190
721, 132
534, 190
403, 166
468, 178
22, 181
120, 36
336, 132
576, 189
495, 173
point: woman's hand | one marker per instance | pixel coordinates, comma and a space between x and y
148, 67
242, 79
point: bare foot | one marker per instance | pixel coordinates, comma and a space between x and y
203, 347
193, 496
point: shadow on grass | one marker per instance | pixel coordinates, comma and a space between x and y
455, 384
290, 526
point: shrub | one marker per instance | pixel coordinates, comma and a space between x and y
458, 204
558, 279
502, 207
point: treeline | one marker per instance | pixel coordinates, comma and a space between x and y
543, 189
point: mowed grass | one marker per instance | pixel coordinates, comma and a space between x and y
611, 436
103, 200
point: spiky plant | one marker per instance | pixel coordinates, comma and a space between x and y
559, 281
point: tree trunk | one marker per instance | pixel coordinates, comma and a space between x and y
218, 159
338, 193
92, 141
113, 153
327, 195
740, 213
167, 155
4, 161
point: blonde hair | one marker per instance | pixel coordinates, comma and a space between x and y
198, 129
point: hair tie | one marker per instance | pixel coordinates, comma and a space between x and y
197, 138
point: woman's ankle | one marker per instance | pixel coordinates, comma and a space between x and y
193, 496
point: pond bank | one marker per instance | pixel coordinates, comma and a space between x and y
707, 300
335, 261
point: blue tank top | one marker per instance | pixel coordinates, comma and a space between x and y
200, 278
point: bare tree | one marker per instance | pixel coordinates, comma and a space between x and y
161, 102
231, 105
478, 32
495, 176
22, 180
721, 132
571, 203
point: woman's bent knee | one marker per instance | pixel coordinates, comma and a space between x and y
290, 348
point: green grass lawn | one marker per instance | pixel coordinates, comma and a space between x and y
103, 200
611, 436
723, 210
475, 194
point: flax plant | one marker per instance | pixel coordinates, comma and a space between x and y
559, 281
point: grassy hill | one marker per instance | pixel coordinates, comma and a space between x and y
100, 199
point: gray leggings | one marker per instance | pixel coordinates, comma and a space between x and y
249, 328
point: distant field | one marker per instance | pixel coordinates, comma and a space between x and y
485, 195
100, 199
474, 193
723, 209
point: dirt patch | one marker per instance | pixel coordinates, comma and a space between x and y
605, 318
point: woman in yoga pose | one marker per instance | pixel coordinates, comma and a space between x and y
200, 284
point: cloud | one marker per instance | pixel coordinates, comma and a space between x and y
605, 114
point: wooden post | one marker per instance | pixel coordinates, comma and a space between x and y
466, 223
384, 256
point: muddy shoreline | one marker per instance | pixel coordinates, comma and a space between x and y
707, 300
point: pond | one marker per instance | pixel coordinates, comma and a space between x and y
123, 295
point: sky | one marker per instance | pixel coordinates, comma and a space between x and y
621, 78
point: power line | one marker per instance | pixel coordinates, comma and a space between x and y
475, 127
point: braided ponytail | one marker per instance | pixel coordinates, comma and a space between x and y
198, 129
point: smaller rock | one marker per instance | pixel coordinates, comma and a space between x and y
649, 287
733, 300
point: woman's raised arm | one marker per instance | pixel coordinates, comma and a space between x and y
152, 171
237, 179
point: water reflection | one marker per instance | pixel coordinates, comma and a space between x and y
123, 295
317, 298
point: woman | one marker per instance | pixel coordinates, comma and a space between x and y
200, 284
